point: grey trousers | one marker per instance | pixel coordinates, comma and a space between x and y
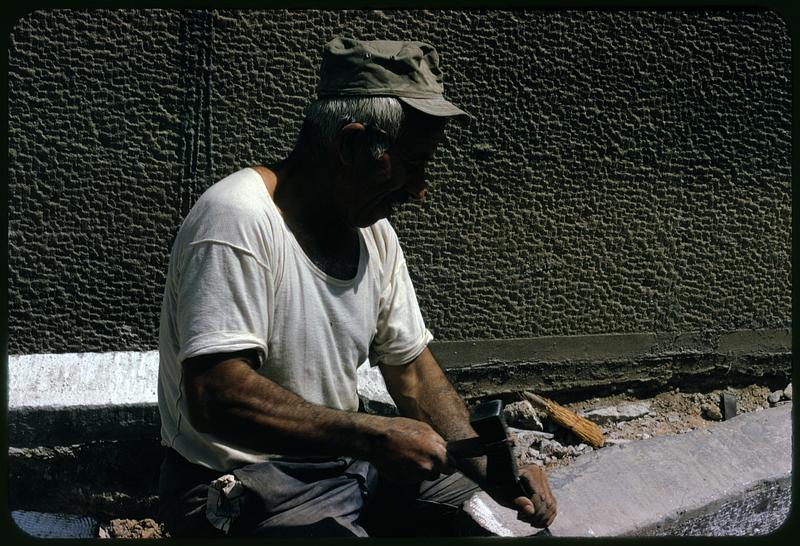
336, 497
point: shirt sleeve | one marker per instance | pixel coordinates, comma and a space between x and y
223, 301
401, 333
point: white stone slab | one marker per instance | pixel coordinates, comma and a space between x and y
120, 378
82, 379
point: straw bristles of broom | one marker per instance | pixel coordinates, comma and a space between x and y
580, 426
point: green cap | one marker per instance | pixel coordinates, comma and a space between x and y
406, 70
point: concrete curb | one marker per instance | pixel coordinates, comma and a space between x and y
733, 478
57, 399
63, 399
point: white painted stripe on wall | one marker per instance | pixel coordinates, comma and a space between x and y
103, 379
82, 379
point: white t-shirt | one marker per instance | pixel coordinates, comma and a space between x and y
238, 279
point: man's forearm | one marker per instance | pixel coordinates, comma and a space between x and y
446, 412
258, 414
422, 391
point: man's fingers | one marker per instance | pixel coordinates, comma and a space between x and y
541, 505
550, 516
524, 506
542, 500
450, 466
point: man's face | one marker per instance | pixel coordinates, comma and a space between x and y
397, 177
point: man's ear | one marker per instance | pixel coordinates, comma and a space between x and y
348, 140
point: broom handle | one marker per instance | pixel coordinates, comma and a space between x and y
534, 399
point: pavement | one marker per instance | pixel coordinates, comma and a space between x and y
733, 478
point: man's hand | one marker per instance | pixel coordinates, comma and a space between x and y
540, 508
410, 451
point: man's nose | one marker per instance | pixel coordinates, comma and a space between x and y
417, 193
416, 187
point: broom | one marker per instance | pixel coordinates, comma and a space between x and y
580, 426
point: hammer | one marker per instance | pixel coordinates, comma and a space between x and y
492, 441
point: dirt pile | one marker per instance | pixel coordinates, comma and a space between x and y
625, 418
132, 528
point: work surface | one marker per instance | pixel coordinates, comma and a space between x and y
733, 478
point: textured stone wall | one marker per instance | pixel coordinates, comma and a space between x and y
627, 172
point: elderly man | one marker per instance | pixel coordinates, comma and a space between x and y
282, 280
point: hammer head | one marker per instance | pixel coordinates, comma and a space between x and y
501, 465
488, 421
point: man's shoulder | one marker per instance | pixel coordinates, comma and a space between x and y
384, 238
241, 190
382, 232
236, 210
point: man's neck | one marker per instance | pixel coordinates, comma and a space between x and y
304, 199
304, 194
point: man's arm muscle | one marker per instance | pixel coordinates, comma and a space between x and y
229, 399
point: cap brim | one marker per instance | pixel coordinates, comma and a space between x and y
438, 107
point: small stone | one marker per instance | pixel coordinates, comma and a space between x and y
728, 405
149, 532
529, 436
522, 415
775, 397
711, 412
553, 448
645, 436
616, 441
787, 392
625, 412
532, 456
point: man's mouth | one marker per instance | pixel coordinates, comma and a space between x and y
402, 197
387, 203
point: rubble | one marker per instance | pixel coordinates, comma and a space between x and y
530, 435
625, 412
780, 397
128, 528
711, 412
522, 415
629, 419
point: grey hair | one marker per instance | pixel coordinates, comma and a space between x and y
383, 117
